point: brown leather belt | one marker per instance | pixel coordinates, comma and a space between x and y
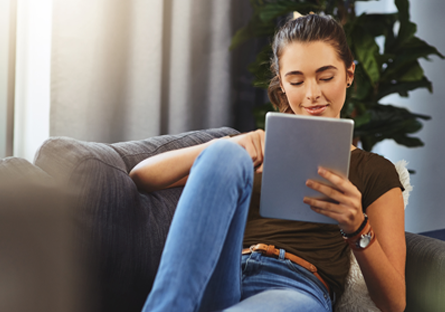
271, 251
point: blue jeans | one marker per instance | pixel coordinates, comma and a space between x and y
201, 267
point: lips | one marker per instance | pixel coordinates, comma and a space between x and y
316, 109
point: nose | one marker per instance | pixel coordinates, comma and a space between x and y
313, 92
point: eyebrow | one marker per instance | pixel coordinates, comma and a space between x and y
321, 69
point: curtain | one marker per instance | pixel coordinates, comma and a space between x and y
129, 69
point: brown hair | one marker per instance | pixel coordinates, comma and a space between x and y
308, 28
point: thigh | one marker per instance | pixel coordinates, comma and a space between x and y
297, 286
279, 299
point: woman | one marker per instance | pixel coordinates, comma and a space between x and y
200, 267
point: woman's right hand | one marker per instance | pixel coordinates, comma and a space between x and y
253, 143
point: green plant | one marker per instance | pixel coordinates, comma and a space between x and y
379, 72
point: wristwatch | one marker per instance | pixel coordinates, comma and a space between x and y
362, 240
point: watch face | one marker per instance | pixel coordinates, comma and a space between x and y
364, 241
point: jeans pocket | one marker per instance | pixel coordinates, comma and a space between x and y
250, 264
317, 286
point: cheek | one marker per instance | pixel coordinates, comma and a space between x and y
295, 97
335, 93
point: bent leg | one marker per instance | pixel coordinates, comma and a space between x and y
202, 253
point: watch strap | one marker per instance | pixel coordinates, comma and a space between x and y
363, 239
361, 227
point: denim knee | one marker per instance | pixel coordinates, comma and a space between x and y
229, 160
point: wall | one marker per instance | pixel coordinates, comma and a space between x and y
426, 209
32, 81
7, 51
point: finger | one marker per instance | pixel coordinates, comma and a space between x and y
263, 141
323, 205
346, 216
245, 140
340, 182
257, 142
347, 200
328, 213
259, 169
326, 190
250, 148
327, 209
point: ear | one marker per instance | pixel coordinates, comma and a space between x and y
350, 74
281, 86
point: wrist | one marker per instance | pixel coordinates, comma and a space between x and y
359, 229
363, 239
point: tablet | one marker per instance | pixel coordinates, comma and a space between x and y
295, 146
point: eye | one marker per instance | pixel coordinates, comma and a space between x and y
296, 83
327, 79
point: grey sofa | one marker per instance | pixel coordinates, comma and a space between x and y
122, 231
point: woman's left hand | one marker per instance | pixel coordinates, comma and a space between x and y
348, 209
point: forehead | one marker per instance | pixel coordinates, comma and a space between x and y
308, 57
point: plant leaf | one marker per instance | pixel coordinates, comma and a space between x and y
410, 52
362, 86
255, 28
411, 72
408, 141
388, 121
362, 119
402, 88
407, 28
260, 68
366, 50
260, 114
378, 24
241, 36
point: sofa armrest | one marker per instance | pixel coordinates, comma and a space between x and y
425, 273
20, 170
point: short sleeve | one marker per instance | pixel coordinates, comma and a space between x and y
374, 175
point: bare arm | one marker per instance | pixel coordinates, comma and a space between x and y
172, 168
382, 263
166, 170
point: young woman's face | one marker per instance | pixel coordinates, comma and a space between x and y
314, 79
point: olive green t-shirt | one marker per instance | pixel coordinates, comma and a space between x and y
322, 244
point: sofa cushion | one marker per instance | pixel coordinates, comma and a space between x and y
122, 229
425, 272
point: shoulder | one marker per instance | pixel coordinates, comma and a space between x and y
373, 175
368, 161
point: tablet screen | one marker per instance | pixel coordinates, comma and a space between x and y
295, 146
